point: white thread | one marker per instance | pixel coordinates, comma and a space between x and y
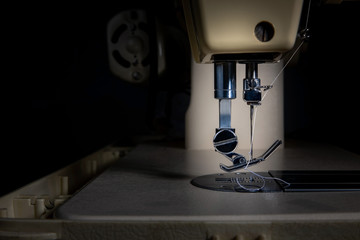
252, 131
253, 111
251, 189
282, 69
307, 16
297, 49
263, 180
254, 120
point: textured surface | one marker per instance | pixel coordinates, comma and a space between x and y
153, 184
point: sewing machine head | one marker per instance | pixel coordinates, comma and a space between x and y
237, 31
242, 31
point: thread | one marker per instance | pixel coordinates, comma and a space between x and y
253, 111
263, 178
282, 69
294, 53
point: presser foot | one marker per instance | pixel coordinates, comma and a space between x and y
240, 161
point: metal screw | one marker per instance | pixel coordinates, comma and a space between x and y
225, 141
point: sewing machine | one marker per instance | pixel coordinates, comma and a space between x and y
163, 192
222, 36
262, 32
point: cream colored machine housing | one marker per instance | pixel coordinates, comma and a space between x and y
229, 26
238, 31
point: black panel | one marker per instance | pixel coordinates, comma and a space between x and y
319, 181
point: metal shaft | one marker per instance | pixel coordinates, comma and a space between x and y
224, 113
225, 90
225, 80
251, 70
251, 132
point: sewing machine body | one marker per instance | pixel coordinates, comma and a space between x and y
232, 27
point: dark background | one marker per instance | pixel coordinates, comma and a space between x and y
69, 104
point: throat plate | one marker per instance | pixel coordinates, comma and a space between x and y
229, 182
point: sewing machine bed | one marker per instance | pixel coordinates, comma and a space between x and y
153, 183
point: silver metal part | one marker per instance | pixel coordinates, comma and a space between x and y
304, 34
224, 113
238, 160
225, 80
225, 139
271, 149
252, 84
241, 164
251, 131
